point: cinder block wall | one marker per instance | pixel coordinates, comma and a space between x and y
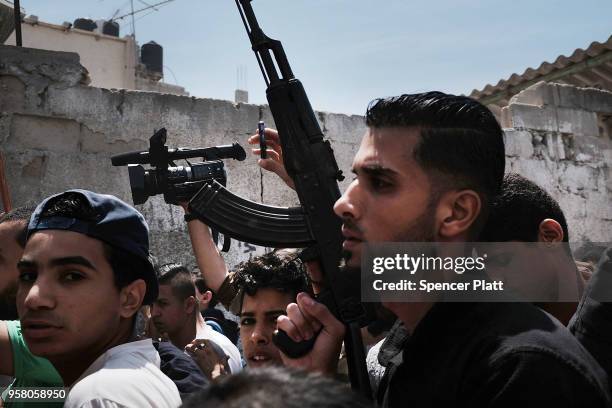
58, 133
559, 136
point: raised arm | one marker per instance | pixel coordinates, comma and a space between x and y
209, 260
274, 162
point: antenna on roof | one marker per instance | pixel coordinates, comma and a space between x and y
134, 12
133, 22
241, 95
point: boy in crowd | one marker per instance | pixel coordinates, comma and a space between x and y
525, 212
258, 291
84, 273
266, 285
16, 360
175, 312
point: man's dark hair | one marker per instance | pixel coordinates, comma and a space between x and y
460, 139
126, 267
178, 277
280, 269
516, 213
276, 387
22, 215
202, 286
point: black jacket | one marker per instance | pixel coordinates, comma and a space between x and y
493, 355
180, 368
592, 322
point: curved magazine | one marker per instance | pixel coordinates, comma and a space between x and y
248, 221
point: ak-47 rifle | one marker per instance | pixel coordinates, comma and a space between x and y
310, 162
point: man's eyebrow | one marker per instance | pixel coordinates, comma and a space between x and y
275, 312
248, 314
375, 170
72, 260
26, 263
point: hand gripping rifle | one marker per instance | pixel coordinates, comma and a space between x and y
310, 161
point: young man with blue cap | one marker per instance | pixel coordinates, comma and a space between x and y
83, 276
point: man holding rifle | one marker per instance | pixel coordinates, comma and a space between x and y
426, 170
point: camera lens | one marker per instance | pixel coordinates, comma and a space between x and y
138, 183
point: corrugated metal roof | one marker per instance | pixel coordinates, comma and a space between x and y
587, 68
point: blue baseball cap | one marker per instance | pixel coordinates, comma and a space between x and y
115, 223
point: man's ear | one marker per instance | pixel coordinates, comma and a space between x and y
190, 304
207, 296
550, 230
131, 297
456, 213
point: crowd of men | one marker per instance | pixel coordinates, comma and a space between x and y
85, 307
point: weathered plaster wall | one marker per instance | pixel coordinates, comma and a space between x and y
57, 133
557, 136
111, 61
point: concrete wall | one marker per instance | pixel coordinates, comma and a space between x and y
557, 135
57, 133
145, 84
111, 61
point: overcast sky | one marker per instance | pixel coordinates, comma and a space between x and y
347, 52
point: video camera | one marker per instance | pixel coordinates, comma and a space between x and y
176, 183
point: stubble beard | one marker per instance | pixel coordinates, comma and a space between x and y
420, 230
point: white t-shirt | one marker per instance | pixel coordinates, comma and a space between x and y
376, 371
208, 333
127, 375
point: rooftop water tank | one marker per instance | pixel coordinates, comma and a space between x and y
85, 24
111, 28
152, 56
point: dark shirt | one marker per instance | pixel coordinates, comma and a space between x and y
494, 355
180, 368
592, 322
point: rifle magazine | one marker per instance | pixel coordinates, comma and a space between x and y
248, 221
